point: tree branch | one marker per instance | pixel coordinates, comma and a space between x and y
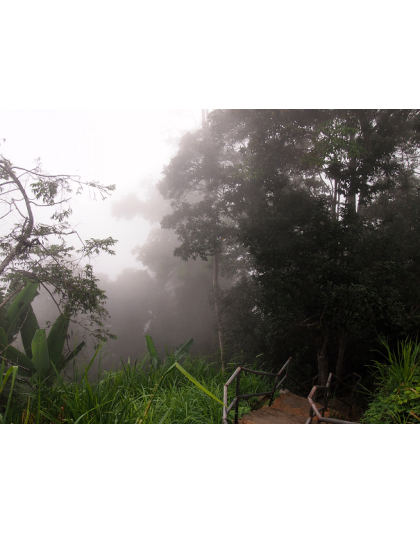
26, 232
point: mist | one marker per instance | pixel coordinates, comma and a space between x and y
148, 290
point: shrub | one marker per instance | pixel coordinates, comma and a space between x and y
397, 398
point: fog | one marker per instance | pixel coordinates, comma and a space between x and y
148, 289
127, 148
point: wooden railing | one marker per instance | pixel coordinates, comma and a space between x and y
331, 382
279, 381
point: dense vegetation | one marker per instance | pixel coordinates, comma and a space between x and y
314, 215
132, 394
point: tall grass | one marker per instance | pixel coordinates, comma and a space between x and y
397, 397
159, 395
4, 377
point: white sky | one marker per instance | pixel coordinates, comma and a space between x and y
119, 147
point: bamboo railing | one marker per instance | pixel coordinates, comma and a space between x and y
320, 412
279, 381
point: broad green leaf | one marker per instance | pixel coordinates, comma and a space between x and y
40, 358
3, 339
73, 354
4, 321
197, 383
57, 337
29, 327
151, 349
20, 358
14, 355
183, 349
18, 308
2, 369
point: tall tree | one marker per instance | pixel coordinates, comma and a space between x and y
195, 182
315, 271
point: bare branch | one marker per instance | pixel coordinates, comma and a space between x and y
13, 363
3, 216
52, 296
52, 204
21, 214
9, 191
26, 231
67, 176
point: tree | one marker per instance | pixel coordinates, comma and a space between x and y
195, 182
322, 205
340, 274
34, 251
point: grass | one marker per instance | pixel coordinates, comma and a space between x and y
159, 395
397, 397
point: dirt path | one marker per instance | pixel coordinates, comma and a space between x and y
288, 409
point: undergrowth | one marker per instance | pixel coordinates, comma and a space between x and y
132, 394
397, 397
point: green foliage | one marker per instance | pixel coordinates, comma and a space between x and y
158, 395
3, 381
180, 352
16, 312
397, 398
153, 355
57, 338
27, 331
40, 351
325, 204
41, 357
196, 382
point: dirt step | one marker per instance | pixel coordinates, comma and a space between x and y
287, 409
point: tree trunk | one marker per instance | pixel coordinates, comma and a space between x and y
334, 205
217, 310
323, 359
351, 197
342, 338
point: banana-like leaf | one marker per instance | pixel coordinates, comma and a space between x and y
40, 358
15, 356
197, 383
17, 310
4, 321
4, 342
29, 327
151, 349
20, 358
183, 349
73, 354
57, 337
